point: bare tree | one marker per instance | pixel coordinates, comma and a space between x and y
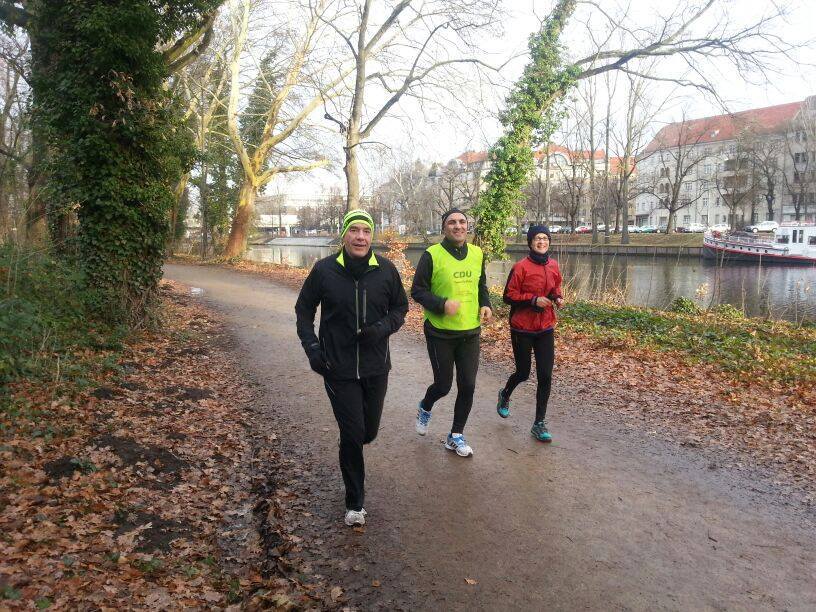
677, 183
289, 95
737, 182
402, 49
639, 112
412, 194
767, 157
15, 134
472, 179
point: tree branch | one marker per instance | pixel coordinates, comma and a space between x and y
188, 48
267, 176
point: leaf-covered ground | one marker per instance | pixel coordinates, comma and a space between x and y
153, 488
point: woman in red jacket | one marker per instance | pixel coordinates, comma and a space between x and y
533, 291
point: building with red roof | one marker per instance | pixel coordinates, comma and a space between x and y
735, 168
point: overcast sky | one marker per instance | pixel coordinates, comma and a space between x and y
437, 135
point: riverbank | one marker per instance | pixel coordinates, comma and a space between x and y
134, 469
712, 380
650, 245
648, 240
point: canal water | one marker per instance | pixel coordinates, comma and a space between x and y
778, 292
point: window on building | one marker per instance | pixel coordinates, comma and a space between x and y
689, 187
732, 149
686, 219
801, 136
812, 241
783, 239
705, 200
705, 219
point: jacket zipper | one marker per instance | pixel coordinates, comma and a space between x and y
365, 302
357, 321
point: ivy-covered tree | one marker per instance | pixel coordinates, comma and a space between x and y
530, 117
111, 132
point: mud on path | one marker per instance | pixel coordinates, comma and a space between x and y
607, 517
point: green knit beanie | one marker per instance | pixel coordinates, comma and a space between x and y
356, 216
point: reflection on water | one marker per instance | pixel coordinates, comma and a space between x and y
782, 292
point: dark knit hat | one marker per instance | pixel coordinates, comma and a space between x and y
535, 230
448, 213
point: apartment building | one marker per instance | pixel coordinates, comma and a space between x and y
736, 168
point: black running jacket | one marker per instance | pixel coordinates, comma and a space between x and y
346, 307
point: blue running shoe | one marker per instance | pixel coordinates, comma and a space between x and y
456, 442
539, 432
422, 420
503, 405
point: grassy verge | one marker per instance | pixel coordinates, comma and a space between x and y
776, 355
775, 351
47, 334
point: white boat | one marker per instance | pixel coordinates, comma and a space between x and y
793, 242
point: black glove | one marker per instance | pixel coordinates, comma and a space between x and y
318, 363
370, 334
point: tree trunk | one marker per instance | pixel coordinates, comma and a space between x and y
670, 221
237, 241
624, 210
352, 172
179, 194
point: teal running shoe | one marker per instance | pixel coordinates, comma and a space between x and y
503, 405
539, 432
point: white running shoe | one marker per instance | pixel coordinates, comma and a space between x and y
456, 442
422, 420
355, 518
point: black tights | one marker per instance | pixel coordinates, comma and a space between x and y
358, 406
544, 347
462, 351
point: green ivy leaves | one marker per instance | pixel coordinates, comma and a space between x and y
530, 115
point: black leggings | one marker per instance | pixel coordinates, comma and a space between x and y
544, 347
463, 351
358, 406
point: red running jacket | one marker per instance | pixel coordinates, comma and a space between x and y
527, 281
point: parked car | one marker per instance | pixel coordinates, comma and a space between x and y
661, 229
633, 229
719, 227
583, 229
555, 229
695, 228
762, 226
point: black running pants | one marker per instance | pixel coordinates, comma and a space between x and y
463, 352
543, 345
358, 406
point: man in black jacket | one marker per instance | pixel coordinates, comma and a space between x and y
362, 302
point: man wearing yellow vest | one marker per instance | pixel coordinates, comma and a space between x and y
451, 286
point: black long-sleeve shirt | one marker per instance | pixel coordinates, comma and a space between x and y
421, 288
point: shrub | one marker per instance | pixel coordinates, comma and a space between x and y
727, 311
684, 305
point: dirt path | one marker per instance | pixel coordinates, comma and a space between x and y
604, 518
